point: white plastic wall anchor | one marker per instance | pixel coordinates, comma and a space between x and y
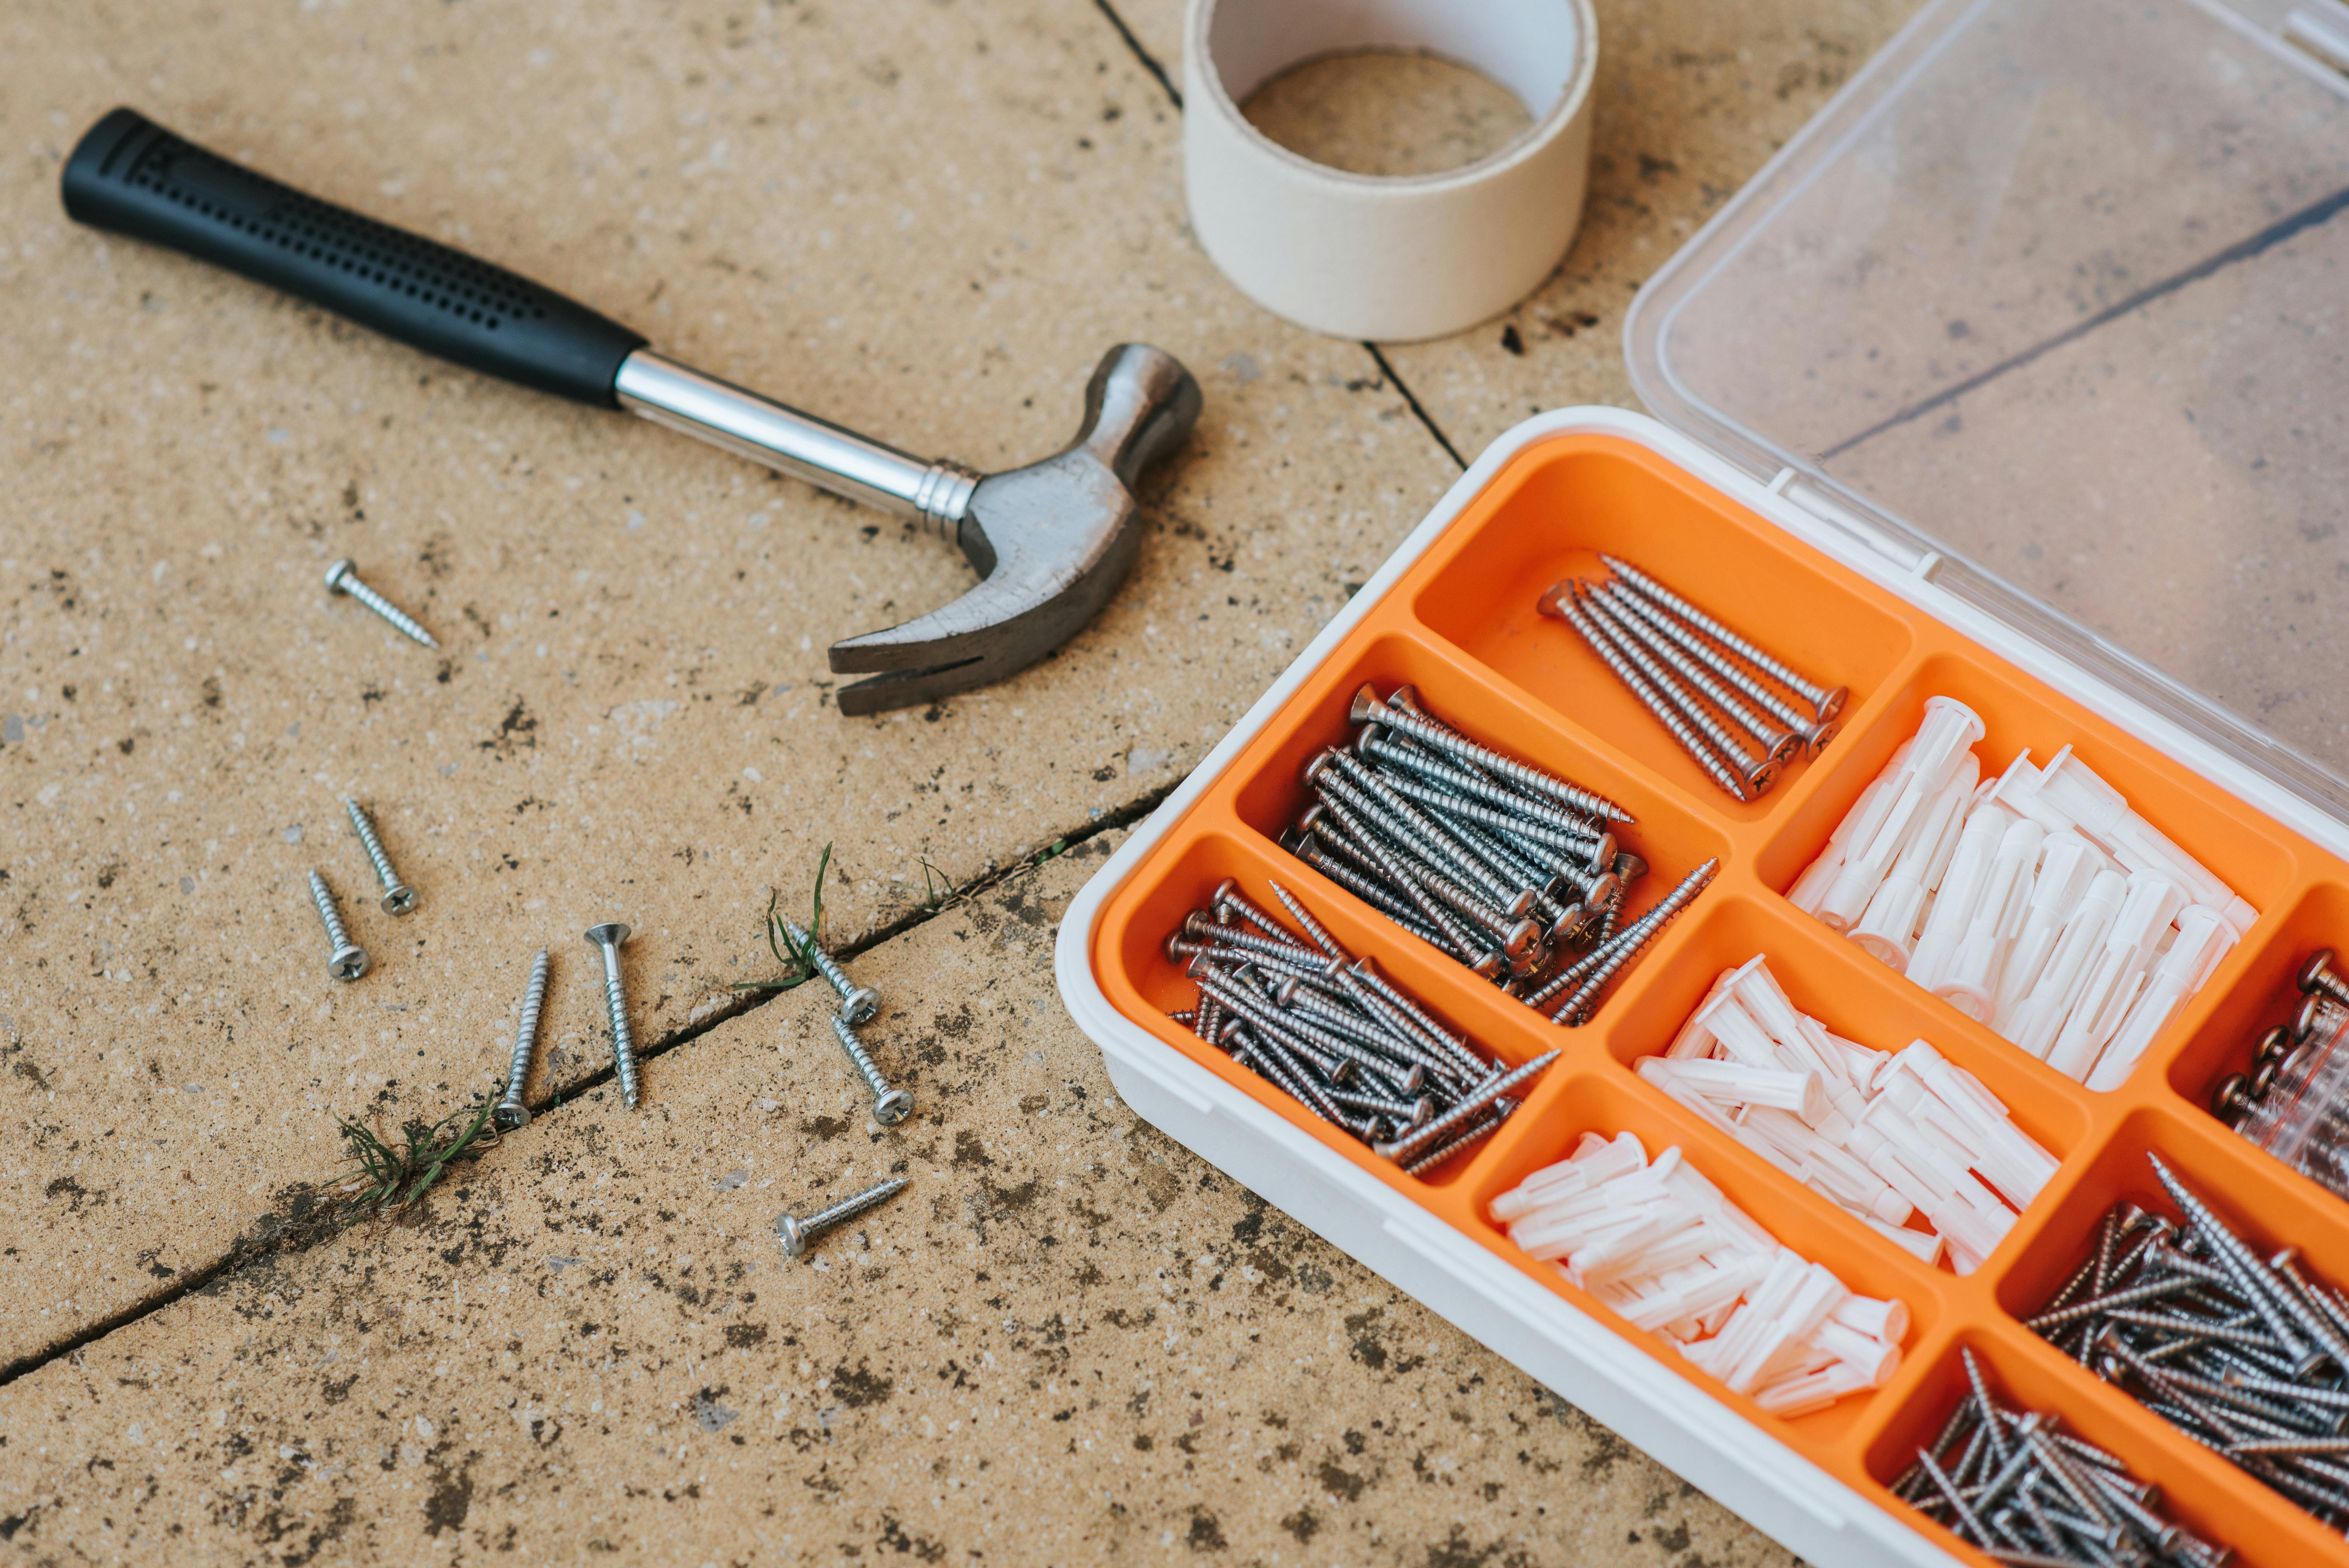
2071, 789
1971, 981
2067, 864
1953, 903
1734, 1081
1949, 727
1820, 874
2040, 1017
1695, 1038
1886, 1320
2204, 937
1888, 928
1925, 1246
2154, 900
1871, 1357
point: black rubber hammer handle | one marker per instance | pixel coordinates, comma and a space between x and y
130, 175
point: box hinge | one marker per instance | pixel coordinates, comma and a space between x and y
1850, 525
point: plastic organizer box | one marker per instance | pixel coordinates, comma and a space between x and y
1453, 613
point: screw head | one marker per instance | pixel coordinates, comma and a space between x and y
860, 1005
1817, 740
1630, 867
335, 573
2312, 971
399, 899
611, 933
1762, 778
1358, 710
1789, 747
2273, 1047
1603, 888
1555, 598
1832, 704
893, 1108
510, 1114
2310, 1015
794, 1239
349, 962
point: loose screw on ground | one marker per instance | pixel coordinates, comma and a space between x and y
608, 938
510, 1112
890, 1106
796, 1233
398, 898
346, 959
343, 577
857, 1003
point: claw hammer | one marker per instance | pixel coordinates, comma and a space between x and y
1052, 542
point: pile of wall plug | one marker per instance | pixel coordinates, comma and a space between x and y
2237, 1345
1336, 1036
1677, 660
1662, 1247
2026, 1491
1882, 1136
2035, 901
1494, 861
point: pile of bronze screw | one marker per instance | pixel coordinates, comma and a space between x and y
1336, 1036
1504, 866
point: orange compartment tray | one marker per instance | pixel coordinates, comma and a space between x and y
1459, 623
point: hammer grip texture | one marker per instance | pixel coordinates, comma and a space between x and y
130, 175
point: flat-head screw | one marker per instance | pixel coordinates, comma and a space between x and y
1826, 701
343, 577
2316, 974
607, 938
857, 1003
398, 898
890, 1106
1438, 1130
346, 959
510, 1112
796, 1233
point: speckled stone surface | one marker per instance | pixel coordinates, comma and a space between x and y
630, 718
1067, 1341
1071, 1341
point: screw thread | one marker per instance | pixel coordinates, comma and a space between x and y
1483, 1129
1609, 600
365, 827
1406, 835
1313, 928
1656, 619
1509, 767
1614, 658
1427, 1134
1633, 648
1360, 837
1440, 775
533, 998
328, 916
400, 619
1481, 867
848, 1208
2320, 978
834, 974
1814, 695
1322, 859
1642, 933
845, 1032
624, 1044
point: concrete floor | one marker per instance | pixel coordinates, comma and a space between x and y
1071, 1340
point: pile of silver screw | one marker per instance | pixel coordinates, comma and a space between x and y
2245, 1354
2295, 1102
1729, 704
1334, 1034
1498, 864
2028, 1493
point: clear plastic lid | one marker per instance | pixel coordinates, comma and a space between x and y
2057, 291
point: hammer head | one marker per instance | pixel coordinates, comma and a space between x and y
1051, 542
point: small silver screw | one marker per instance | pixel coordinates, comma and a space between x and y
890, 1106
1826, 702
349, 960
608, 938
1559, 601
1367, 708
1815, 734
398, 898
1759, 772
343, 577
510, 1112
2316, 974
1782, 746
796, 1233
857, 1003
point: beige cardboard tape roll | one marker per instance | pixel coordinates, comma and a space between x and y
1357, 255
